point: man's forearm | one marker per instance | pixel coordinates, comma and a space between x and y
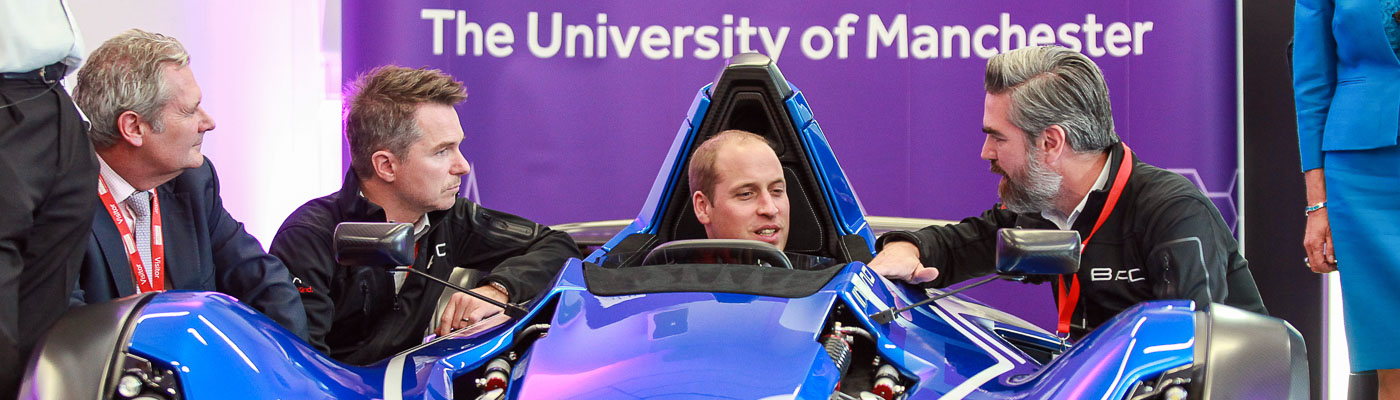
527, 274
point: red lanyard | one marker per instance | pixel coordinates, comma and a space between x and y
1069, 300
156, 282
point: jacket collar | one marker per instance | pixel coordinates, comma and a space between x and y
355, 206
358, 208
1098, 196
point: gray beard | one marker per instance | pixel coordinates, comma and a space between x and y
1031, 191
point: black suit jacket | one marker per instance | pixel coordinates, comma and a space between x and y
205, 249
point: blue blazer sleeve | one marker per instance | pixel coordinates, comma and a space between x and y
206, 249
1314, 75
244, 270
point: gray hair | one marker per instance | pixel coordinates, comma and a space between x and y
126, 74
1033, 189
1052, 85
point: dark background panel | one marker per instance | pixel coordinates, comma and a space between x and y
1273, 184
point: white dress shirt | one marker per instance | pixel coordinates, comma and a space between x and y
36, 33
1067, 222
121, 191
420, 227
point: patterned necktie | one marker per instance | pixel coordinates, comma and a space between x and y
140, 204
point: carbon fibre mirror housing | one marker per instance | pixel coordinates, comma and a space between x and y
1031, 252
379, 244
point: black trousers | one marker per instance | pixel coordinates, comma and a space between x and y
48, 193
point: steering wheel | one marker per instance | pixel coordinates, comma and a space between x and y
717, 251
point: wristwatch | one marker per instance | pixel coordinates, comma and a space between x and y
502, 288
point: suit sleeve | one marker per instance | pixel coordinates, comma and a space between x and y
307, 254
1314, 75
522, 255
244, 270
1193, 256
960, 251
76, 297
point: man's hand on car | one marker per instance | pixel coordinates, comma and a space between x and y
900, 261
464, 310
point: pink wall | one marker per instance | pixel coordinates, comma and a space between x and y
270, 73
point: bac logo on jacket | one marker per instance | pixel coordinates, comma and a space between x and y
1110, 274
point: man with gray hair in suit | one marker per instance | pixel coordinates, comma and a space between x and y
162, 224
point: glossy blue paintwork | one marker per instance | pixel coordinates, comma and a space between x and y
675, 165
432, 366
669, 344
681, 344
672, 344
840, 197
220, 348
946, 348
1141, 342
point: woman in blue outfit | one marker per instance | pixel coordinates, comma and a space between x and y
1346, 85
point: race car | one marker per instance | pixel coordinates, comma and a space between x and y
659, 311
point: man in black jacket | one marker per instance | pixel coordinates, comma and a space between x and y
1150, 233
406, 166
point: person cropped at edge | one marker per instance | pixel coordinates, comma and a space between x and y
46, 170
1346, 87
1050, 135
156, 186
407, 166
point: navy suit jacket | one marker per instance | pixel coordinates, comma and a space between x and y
1346, 78
205, 249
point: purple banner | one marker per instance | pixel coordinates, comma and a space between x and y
572, 105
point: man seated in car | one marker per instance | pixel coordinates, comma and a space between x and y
740, 192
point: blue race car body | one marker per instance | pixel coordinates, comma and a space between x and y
614, 326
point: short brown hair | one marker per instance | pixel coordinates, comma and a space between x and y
702, 161
125, 74
382, 106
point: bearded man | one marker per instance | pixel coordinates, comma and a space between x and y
1150, 234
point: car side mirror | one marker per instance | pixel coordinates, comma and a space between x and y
1021, 253
379, 244
390, 245
1028, 252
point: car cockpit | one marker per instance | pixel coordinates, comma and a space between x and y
751, 94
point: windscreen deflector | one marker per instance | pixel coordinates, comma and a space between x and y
721, 278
